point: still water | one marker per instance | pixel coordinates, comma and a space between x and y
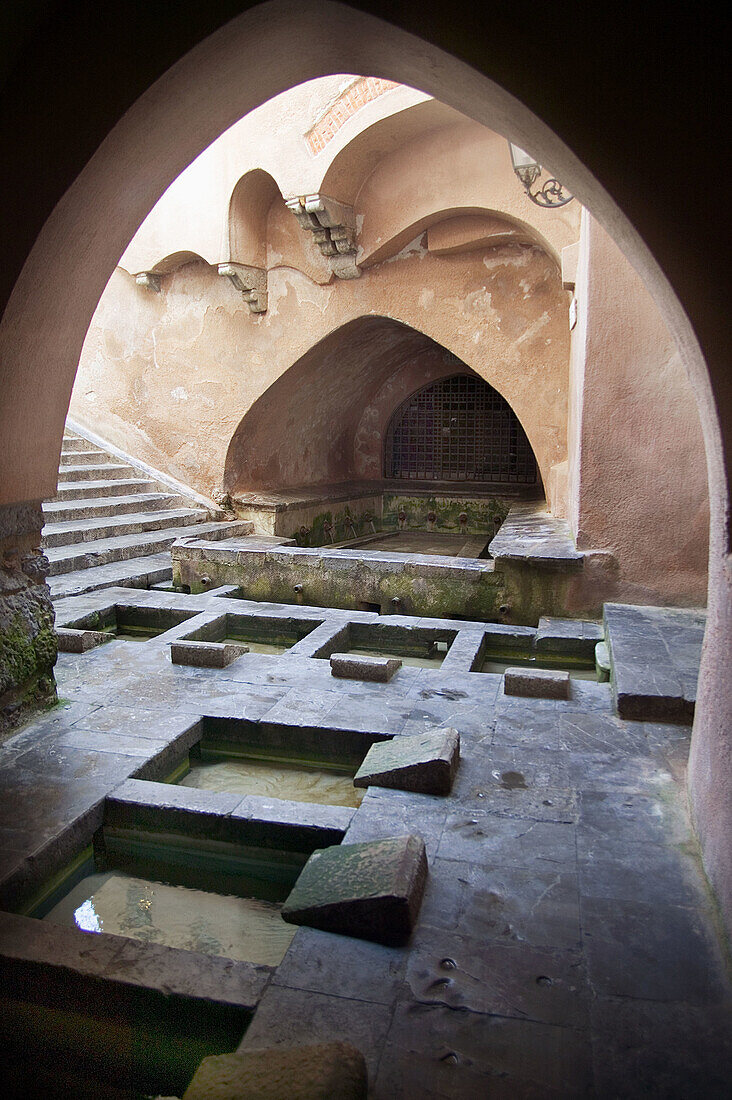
429, 659
177, 916
293, 782
260, 647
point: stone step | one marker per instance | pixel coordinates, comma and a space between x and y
65, 559
92, 490
74, 443
83, 458
135, 523
108, 470
136, 573
65, 511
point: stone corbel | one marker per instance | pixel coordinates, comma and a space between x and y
149, 280
333, 225
251, 282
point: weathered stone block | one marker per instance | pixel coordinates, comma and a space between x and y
79, 641
206, 654
538, 683
372, 891
318, 1072
602, 662
377, 670
426, 764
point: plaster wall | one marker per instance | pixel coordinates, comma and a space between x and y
639, 487
462, 168
256, 142
174, 376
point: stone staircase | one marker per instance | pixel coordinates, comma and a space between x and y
112, 524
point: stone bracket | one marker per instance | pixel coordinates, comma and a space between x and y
251, 282
148, 279
333, 225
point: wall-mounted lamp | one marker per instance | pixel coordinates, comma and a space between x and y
551, 193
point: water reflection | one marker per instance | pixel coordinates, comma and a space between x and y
177, 916
274, 780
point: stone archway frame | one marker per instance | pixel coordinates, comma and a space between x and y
257, 55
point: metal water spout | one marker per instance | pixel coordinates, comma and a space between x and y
349, 526
396, 603
328, 530
297, 589
402, 517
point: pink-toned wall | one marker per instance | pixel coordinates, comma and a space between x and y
171, 377
638, 484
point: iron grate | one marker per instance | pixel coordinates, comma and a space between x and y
458, 429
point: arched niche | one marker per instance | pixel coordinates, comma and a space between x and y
248, 209
324, 420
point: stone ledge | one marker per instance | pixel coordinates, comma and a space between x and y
125, 965
323, 1071
79, 641
536, 683
378, 670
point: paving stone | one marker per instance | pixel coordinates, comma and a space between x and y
342, 966
652, 874
466, 974
425, 764
655, 952
362, 667
627, 816
300, 1073
486, 840
385, 812
518, 905
435, 1052
645, 1048
371, 890
286, 1017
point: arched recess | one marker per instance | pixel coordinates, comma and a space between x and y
458, 430
248, 209
174, 262
324, 420
351, 167
164, 106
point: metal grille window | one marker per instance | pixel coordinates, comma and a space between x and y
459, 429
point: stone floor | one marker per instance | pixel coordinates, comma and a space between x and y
567, 944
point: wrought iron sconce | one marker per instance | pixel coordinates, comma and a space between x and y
550, 193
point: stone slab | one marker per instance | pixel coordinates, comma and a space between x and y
602, 662
377, 670
206, 654
372, 891
79, 641
425, 764
569, 637
300, 1073
536, 683
68, 953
